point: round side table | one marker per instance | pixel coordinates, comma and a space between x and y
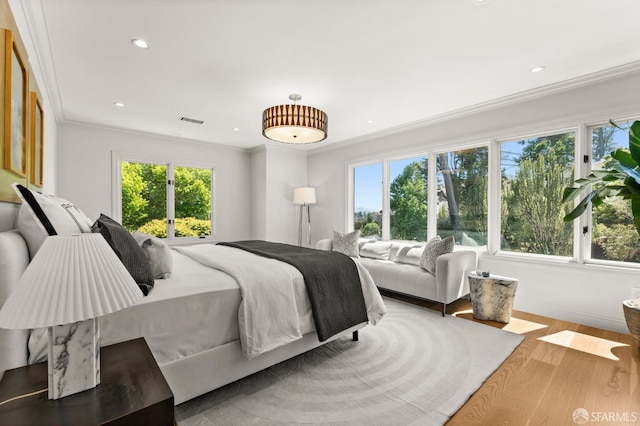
492, 296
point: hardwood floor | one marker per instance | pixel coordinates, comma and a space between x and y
559, 368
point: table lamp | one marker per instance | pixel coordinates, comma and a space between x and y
304, 196
71, 281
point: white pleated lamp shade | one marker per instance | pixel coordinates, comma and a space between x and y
72, 278
304, 196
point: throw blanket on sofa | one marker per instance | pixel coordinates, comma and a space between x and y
331, 279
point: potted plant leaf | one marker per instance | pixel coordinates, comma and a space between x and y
622, 180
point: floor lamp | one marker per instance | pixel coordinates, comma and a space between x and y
304, 196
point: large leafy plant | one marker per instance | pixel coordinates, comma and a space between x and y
622, 180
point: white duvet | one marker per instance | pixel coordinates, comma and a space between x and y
275, 308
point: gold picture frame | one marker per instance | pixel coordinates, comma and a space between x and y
15, 108
36, 168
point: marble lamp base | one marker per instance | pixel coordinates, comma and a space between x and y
74, 358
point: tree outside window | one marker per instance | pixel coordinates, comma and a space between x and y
534, 173
462, 195
144, 199
408, 192
613, 234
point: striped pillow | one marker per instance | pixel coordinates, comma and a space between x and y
43, 215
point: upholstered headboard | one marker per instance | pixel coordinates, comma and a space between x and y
14, 258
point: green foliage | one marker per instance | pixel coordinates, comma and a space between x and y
614, 236
185, 227
464, 183
409, 203
623, 180
144, 199
367, 225
371, 229
133, 204
533, 206
155, 227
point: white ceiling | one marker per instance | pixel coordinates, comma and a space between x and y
395, 62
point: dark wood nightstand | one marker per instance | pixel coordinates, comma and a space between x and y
132, 391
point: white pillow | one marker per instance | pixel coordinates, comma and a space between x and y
43, 215
346, 243
158, 254
434, 248
375, 250
409, 254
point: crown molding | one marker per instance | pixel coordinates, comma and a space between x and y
32, 12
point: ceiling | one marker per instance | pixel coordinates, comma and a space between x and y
374, 66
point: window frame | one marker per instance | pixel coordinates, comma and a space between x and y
587, 217
495, 245
582, 129
117, 158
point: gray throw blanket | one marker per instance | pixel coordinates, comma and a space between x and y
331, 278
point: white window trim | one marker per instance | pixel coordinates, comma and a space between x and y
117, 157
581, 244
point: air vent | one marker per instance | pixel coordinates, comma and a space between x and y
191, 120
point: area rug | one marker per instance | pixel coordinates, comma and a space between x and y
414, 367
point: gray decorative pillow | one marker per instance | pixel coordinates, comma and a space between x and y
346, 243
158, 254
434, 248
127, 249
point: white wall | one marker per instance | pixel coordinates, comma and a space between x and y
259, 194
582, 293
84, 171
276, 171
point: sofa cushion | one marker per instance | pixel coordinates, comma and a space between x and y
375, 250
401, 277
409, 254
434, 248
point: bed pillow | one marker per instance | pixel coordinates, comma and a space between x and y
158, 254
409, 254
375, 250
43, 215
346, 243
434, 248
127, 249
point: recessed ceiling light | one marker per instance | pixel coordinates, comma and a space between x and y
138, 42
537, 69
119, 104
235, 129
369, 121
480, 1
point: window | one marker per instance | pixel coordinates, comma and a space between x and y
367, 200
534, 173
613, 235
166, 200
408, 198
462, 181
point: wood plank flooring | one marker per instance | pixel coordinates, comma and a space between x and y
559, 368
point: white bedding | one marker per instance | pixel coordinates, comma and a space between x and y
275, 308
202, 306
194, 310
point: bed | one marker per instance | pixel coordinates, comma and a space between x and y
189, 320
